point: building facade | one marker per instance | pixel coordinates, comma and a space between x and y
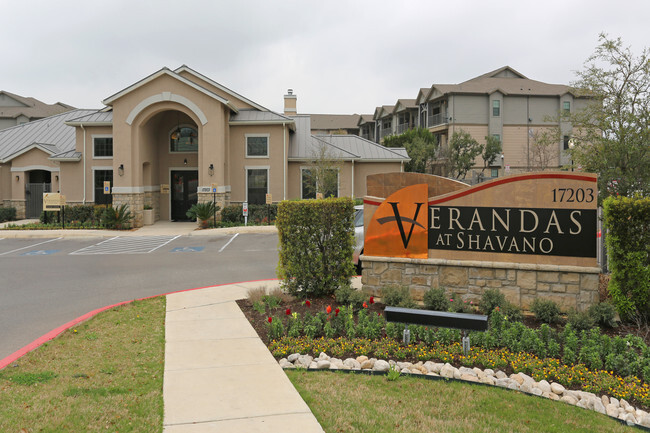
502, 103
173, 139
18, 110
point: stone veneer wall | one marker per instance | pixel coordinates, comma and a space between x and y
223, 199
568, 286
135, 201
19, 205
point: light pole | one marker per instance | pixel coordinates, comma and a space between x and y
572, 144
503, 165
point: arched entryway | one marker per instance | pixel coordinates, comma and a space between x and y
38, 182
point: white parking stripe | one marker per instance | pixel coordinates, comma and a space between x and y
228, 243
29, 246
126, 245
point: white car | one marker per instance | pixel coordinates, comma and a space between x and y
358, 237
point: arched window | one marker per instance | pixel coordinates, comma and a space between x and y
184, 139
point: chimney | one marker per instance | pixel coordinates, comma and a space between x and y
290, 102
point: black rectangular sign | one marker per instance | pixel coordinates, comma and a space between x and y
553, 232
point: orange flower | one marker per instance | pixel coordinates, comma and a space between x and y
365, 305
328, 309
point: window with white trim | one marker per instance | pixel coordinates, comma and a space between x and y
102, 146
257, 146
496, 108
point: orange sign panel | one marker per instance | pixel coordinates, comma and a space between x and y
398, 227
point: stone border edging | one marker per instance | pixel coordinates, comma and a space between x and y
520, 382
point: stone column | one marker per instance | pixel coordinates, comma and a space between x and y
135, 203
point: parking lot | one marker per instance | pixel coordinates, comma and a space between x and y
47, 282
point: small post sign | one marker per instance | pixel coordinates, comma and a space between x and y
269, 202
269, 199
244, 208
319, 196
52, 201
214, 187
107, 187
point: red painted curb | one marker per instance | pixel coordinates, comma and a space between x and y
57, 331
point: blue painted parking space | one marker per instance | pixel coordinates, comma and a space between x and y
40, 252
187, 249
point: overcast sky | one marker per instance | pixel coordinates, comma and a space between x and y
338, 56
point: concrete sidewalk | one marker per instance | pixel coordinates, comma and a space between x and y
160, 228
219, 375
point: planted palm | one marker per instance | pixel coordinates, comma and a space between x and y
202, 212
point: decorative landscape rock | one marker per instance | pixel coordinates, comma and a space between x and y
610, 406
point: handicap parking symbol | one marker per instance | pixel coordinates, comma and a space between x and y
40, 252
187, 249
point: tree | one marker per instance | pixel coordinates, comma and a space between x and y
420, 144
463, 149
491, 151
322, 175
612, 134
544, 145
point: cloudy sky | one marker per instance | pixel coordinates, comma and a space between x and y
338, 56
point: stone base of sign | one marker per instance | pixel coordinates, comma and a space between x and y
571, 287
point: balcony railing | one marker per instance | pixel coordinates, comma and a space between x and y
366, 136
386, 132
403, 128
437, 119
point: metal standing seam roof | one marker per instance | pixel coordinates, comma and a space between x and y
334, 121
50, 133
98, 117
304, 145
258, 116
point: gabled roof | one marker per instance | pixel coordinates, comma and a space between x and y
30, 107
166, 71
365, 118
423, 95
383, 111
185, 68
505, 80
404, 104
51, 135
334, 121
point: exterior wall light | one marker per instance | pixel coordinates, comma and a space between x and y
185, 161
17, 178
211, 169
120, 170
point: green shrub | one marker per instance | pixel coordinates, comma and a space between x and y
257, 214
604, 314
458, 305
7, 214
628, 245
546, 311
397, 296
316, 244
83, 214
512, 312
346, 295
202, 211
491, 299
435, 299
580, 320
117, 218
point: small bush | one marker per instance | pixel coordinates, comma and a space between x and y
512, 312
491, 299
546, 311
604, 314
457, 305
580, 320
348, 296
7, 214
117, 218
397, 296
256, 294
436, 300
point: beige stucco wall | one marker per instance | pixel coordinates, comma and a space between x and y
234, 100
34, 159
275, 162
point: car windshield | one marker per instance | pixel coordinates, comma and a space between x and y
358, 217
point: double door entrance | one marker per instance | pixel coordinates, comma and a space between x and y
184, 184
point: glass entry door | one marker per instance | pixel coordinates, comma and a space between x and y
184, 186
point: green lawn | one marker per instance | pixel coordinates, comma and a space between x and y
105, 375
344, 402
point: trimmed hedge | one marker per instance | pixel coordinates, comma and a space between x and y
316, 244
628, 244
257, 214
83, 214
7, 214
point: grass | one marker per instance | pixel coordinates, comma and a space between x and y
360, 403
105, 375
